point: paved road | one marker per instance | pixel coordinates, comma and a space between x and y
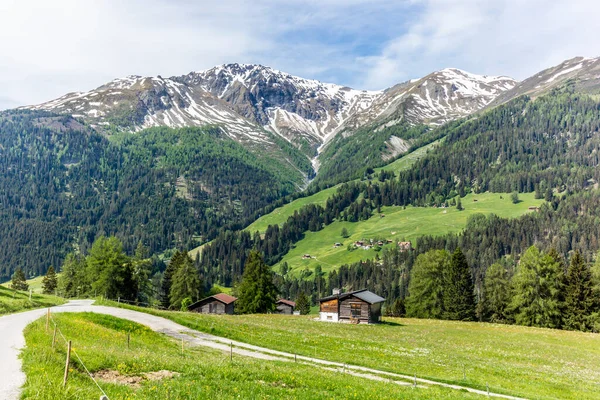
11, 341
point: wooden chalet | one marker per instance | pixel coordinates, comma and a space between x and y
220, 303
285, 306
360, 306
405, 246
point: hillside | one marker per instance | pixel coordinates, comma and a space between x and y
62, 184
12, 301
153, 367
398, 224
520, 361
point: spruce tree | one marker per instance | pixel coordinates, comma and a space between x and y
174, 263
49, 282
256, 292
186, 284
19, 282
579, 300
595, 317
459, 297
302, 304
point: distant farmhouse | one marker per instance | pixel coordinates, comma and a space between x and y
361, 306
220, 303
285, 306
404, 246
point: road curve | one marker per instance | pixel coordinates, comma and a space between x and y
12, 341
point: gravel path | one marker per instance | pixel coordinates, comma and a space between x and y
12, 340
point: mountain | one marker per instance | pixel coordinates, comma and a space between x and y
437, 98
251, 100
583, 73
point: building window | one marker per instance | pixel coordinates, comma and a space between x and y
355, 310
329, 317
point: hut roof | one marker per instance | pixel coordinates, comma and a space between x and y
221, 297
288, 302
363, 294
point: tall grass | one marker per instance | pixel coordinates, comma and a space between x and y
100, 341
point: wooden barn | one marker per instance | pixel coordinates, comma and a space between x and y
361, 306
285, 306
220, 303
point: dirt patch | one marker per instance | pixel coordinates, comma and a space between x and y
112, 376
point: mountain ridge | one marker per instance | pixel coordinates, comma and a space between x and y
250, 99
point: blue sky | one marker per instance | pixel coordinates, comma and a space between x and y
49, 48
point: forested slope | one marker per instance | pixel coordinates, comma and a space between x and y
62, 184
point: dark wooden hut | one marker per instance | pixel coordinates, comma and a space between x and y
285, 306
220, 303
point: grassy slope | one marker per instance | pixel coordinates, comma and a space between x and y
11, 301
281, 214
35, 284
205, 374
405, 162
530, 362
398, 224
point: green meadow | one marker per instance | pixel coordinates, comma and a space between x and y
397, 224
199, 372
12, 301
405, 162
522, 361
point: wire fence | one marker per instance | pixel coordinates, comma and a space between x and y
77, 356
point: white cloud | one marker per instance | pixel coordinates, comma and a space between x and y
500, 37
49, 48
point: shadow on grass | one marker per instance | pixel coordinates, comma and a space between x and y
390, 323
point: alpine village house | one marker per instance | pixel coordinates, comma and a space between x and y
360, 306
220, 303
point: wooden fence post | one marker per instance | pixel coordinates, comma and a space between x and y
67, 364
54, 337
231, 352
128, 339
47, 319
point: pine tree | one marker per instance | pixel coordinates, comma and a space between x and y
426, 286
459, 205
579, 301
19, 282
302, 304
496, 293
185, 284
536, 290
49, 282
73, 280
595, 317
256, 292
109, 269
459, 298
344, 232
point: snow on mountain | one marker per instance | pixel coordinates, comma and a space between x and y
249, 100
435, 99
583, 72
288, 105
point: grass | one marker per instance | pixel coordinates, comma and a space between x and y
407, 161
100, 341
398, 224
12, 301
35, 284
281, 214
530, 362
